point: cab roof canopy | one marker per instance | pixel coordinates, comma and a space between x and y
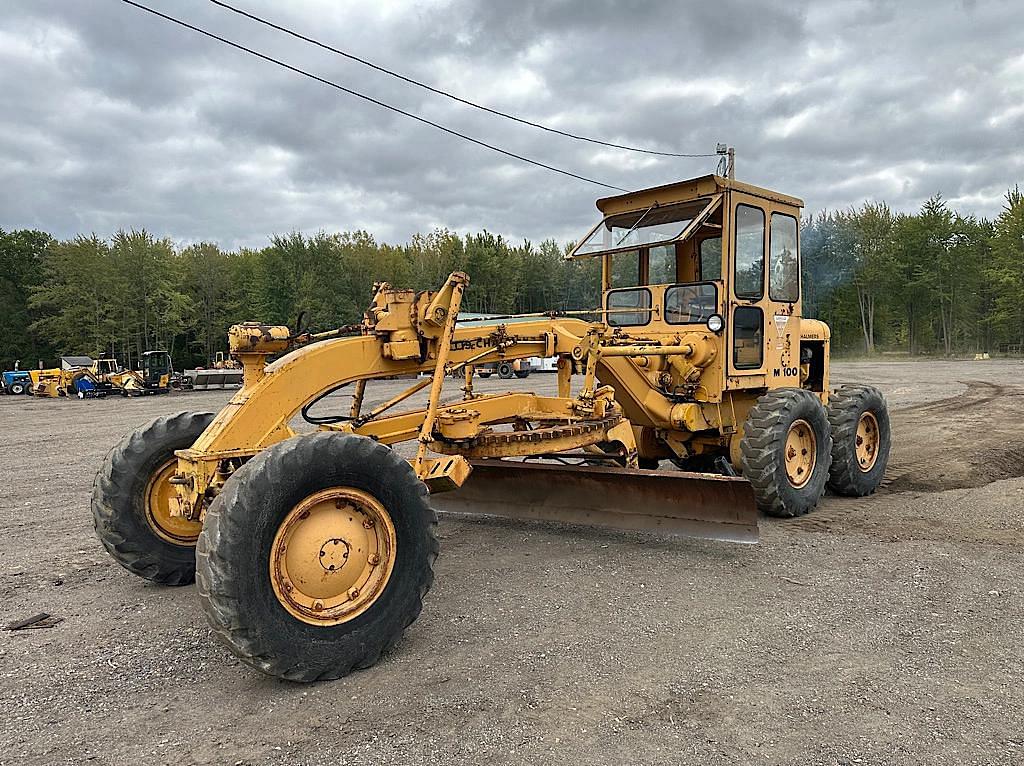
664, 214
685, 191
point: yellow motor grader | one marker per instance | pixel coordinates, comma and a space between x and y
692, 399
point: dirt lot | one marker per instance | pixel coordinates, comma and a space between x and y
878, 631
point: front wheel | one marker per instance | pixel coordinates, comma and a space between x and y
861, 435
19, 388
316, 555
131, 501
786, 450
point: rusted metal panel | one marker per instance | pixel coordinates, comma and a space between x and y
671, 502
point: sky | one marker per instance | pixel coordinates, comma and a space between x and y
112, 118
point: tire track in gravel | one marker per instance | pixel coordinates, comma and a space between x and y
978, 392
974, 430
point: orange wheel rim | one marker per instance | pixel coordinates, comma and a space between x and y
867, 442
159, 494
333, 556
801, 452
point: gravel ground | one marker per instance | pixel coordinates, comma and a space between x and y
879, 631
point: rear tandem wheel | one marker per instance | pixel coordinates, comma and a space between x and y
861, 436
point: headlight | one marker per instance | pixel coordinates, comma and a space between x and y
715, 323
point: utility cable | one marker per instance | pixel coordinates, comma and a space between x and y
439, 92
370, 99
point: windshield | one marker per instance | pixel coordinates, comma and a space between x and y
652, 226
157, 364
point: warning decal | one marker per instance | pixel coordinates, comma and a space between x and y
780, 323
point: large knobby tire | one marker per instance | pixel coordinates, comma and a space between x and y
505, 370
861, 437
122, 514
247, 578
786, 423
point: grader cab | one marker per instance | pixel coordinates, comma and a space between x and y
692, 398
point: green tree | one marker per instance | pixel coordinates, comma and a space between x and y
21, 272
145, 289
869, 233
1007, 271
828, 270
207, 279
74, 305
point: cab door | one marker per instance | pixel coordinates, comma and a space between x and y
783, 334
764, 294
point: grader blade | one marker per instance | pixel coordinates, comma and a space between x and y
697, 505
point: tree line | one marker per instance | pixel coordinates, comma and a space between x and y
934, 282
136, 292
931, 282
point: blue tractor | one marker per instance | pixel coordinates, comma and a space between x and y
16, 382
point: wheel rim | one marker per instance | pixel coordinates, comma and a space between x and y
159, 493
332, 556
801, 449
867, 442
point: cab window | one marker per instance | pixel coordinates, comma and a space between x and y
749, 277
619, 301
784, 268
690, 304
747, 338
661, 265
711, 258
625, 269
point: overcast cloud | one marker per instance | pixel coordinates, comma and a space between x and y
113, 118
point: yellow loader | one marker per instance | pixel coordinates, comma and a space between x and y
694, 398
50, 383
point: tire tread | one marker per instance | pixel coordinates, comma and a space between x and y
760, 450
845, 405
219, 573
112, 496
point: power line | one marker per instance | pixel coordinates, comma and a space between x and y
445, 93
370, 99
